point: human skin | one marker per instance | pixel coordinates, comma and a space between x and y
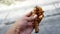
24, 25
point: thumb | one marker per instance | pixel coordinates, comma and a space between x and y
32, 17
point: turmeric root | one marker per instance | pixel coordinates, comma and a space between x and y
39, 12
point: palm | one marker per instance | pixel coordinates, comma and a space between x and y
27, 30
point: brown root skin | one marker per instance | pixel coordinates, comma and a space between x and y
39, 12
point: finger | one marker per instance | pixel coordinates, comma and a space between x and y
30, 24
31, 17
29, 14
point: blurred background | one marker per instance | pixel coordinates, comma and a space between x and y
11, 10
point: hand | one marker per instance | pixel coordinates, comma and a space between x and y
24, 25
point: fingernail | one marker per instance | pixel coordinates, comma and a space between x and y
35, 16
